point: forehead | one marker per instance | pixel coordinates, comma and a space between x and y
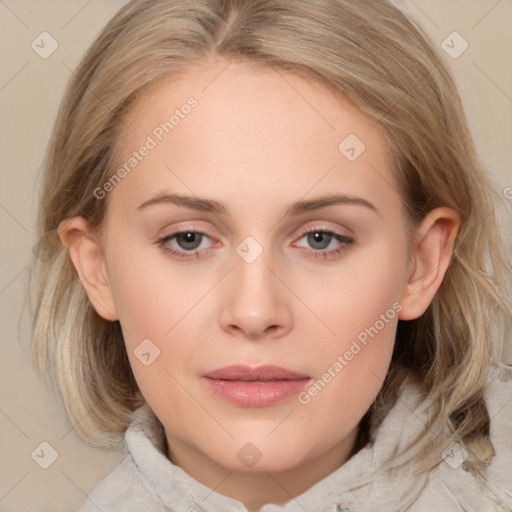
252, 132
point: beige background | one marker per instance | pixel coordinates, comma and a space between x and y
30, 91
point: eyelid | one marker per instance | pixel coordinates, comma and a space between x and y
177, 227
168, 231
324, 227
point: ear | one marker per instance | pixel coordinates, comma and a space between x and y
430, 260
87, 256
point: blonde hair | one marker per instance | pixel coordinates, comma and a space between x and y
366, 51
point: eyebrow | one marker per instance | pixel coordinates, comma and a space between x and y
211, 206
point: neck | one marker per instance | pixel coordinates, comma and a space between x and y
257, 488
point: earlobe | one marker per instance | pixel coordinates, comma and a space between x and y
431, 257
87, 257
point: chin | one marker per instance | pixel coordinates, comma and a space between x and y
256, 456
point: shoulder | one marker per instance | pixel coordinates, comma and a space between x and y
123, 489
129, 486
460, 481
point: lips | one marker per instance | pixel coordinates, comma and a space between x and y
263, 373
255, 387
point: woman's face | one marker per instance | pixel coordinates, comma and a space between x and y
293, 253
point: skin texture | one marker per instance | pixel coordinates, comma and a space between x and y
257, 141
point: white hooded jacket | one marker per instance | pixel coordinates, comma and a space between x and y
147, 481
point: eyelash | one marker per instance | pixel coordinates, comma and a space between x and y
320, 253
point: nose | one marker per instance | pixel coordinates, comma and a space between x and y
255, 302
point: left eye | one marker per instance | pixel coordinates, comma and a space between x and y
319, 241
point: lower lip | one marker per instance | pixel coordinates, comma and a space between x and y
255, 394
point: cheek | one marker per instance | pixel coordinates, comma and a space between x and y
151, 292
158, 300
360, 305
354, 294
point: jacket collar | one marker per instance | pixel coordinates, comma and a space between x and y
178, 491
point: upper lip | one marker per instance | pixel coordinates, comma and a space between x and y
262, 373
